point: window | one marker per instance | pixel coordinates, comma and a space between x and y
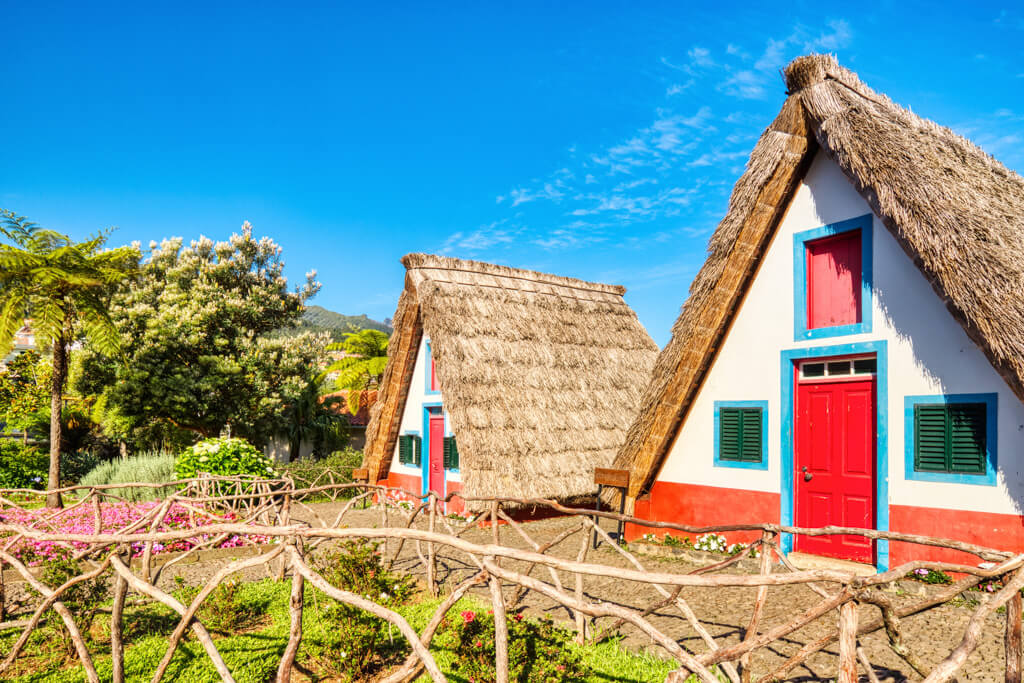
741, 438
451, 453
433, 385
832, 279
951, 438
410, 448
848, 367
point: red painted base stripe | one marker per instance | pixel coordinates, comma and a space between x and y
698, 505
701, 506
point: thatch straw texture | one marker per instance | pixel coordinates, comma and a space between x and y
956, 211
540, 374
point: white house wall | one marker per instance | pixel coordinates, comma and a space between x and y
928, 353
412, 415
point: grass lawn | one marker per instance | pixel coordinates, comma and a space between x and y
253, 651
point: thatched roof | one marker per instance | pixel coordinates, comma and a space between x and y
957, 212
540, 374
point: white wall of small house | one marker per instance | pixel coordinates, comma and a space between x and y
928, 354
412, 416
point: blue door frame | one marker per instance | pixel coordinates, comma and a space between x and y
788, 364
425, 460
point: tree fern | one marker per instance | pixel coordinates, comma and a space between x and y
64, 287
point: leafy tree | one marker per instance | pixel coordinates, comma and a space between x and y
197, 357
24, 391
362, 365
65, 287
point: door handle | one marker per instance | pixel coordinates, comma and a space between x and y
807, 475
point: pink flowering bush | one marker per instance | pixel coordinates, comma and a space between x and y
113, 518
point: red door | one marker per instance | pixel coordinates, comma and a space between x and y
835, 465
436, 455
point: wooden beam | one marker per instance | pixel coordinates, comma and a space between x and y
604, 476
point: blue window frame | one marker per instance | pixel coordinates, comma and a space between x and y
761, 464
800, 240
428, 368
991, 450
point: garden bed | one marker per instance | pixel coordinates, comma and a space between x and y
114, 517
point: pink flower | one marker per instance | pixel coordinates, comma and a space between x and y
468, 616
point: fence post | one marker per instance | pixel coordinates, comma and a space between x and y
767, 538
431, 552
117, 629
286, 518
500, 629
1014, 609
847, 643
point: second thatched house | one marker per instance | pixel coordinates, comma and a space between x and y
852, 351
504, 382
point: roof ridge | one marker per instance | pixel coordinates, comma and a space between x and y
423, 261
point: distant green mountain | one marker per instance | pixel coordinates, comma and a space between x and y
319, 318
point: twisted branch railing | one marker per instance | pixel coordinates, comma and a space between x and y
264, 514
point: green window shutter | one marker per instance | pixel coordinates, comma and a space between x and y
417, 456
405, 449
729, 433
950, 438
750, 444
739, 434
451, 453
967, 438
930, 438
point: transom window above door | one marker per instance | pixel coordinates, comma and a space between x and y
834, 369
832, 279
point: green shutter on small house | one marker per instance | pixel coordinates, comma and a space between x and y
950, 438
739, 434
451, 453
405, 449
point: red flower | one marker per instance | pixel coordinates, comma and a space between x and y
468, 616
518, 617
479, 643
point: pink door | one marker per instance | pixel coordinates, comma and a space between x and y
835, 465
436, 455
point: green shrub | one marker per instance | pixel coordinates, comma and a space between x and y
22, 466
151, 468
309, 472
223, 457
83, 599
360, 644
74, 466
538, 651
933, 576
225, 610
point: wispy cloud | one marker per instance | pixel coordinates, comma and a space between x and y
493, 234
678, 166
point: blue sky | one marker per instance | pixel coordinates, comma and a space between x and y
596, 140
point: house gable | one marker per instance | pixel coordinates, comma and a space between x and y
956, 212
927, 353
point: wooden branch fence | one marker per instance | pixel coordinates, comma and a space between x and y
270, 510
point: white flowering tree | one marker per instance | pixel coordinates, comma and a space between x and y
197, 357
